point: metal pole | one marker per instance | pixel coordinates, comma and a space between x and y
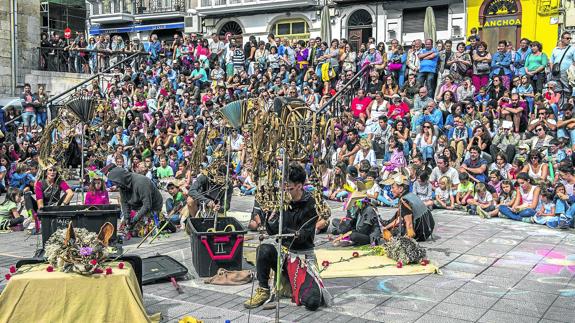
82, 162
14, 43
281, 219
229, 149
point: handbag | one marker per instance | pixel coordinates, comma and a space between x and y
556, 70
482, 67
394, 66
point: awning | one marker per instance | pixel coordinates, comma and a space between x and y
96, 30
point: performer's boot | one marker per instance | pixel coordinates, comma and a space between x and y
260, 297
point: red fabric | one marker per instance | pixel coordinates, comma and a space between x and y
292, 268
359, 106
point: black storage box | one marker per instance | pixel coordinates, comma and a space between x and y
89, 217
214, 250
157, 268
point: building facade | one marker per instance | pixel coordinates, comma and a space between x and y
515, 19
140, 18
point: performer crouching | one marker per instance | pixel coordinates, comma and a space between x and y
208, 192
137, 192
412, 219
299, 262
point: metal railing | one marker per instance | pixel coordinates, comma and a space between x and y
78, 60
159, 6
55, 102
341, 101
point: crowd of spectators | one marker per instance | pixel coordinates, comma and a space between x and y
487, 130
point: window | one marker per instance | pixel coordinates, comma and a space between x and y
413, 19
294, 29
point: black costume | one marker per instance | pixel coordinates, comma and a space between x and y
363, 224
137, 192
299, 219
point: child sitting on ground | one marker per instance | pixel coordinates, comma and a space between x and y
443, 195
464, 190
506, 197
423, 189
482, 202
546, 210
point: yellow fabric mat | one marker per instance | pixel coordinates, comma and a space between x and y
344, 265
56, 297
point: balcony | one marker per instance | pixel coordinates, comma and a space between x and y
111, 11
125, 11
217, 7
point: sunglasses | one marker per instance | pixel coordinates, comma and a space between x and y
540, 129
426, 127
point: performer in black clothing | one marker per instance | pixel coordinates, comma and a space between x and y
298, 219
207, 191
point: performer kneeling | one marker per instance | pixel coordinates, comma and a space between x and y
413, 218
299, 262
137, 192
362, 227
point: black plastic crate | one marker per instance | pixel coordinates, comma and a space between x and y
157, 268
214, 250
89, 217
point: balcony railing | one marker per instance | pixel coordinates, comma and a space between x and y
206, 4
159, 6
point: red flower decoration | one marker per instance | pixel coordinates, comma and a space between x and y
7, 276
109, 271
12, 269
355, 254
98, 271
121, 265
399, 264
93, 262
424, 262
49, 269
325, 264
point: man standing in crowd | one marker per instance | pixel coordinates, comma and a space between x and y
561, 58
428, 58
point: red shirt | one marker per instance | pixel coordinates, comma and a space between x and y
398, 111
359, 106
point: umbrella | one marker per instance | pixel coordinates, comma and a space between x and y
429, 28
325, 24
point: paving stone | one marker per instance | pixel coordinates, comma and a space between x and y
565, 302
465, 267
391, 314
530, 297
505, 282
391, 284
458, 311
443, 282
431, 318
560, 314
469, 299
424, 293
493, 316
476, 260
528, 308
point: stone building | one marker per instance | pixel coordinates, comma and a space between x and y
28, 39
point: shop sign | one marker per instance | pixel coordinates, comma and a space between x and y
501, 22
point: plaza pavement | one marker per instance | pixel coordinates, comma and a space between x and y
492, 271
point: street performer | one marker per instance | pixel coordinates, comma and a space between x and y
299, 262
206, 191
412, 219
137, 193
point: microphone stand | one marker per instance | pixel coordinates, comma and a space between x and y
280, 235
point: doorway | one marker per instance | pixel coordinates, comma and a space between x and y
360, 28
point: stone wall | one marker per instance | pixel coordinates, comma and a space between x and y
28, 41
54, 82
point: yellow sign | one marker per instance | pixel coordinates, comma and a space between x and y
502, 23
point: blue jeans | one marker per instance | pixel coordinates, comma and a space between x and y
517, 216
426, 152
247, 191
28, 119
41, 118
427, 79
175, 218
567, 134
